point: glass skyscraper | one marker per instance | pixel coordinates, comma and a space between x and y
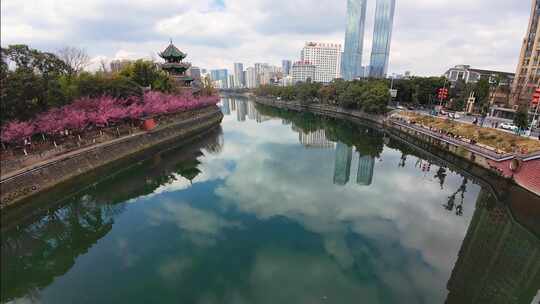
351, 62
221, 75
286, 67
382, 36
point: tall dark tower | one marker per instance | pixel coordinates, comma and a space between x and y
175, 66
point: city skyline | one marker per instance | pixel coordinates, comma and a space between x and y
417, 45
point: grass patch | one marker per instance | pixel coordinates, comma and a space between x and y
496, 139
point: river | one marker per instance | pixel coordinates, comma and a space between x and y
275, 207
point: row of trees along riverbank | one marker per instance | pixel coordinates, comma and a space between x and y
47, 97
371, 95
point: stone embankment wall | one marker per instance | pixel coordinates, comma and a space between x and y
22, 185
324, 109
11, 161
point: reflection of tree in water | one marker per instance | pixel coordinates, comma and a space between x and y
441, 176
189, 169
451, 204
33, 253
366, 140
402, 160
147, 176
405, 150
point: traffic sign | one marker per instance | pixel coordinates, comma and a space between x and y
536, 97
443, 93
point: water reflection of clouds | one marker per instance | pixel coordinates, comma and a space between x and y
410, 235
171, 269
127, 255
403, 208
200, 226
289, 277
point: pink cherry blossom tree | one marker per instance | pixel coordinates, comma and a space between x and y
86, 113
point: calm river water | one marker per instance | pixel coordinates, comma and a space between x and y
276, 207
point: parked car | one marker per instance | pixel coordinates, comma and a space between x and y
401, 108
509, 126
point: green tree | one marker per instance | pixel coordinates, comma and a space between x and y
481, 90
307, 92
521, 120
147, 74
327, 94
32, 85
375, 97
352, 96
287, 93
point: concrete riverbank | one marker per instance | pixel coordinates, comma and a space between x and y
30, 181
524, 170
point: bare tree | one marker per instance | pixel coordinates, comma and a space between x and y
103, 66
77, 59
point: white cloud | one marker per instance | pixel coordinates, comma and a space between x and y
429, 36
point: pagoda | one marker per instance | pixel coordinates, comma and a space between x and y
174, 66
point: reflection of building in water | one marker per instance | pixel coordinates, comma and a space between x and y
225, 106
366, 164
233, 104
262, 118
315, 139
252, 112
499, 260
242, 110
342, 169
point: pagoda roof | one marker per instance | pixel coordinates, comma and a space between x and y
172, 52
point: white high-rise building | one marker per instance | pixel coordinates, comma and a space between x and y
239, 75
303, 71
232, 82
287, 80
251, 78
327, 59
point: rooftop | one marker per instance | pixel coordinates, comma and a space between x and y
172, 52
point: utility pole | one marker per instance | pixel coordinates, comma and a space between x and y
393, 93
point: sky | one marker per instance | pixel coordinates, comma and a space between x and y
429, 35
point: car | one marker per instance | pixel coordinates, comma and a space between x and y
509, 126
454, 115
400, 107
